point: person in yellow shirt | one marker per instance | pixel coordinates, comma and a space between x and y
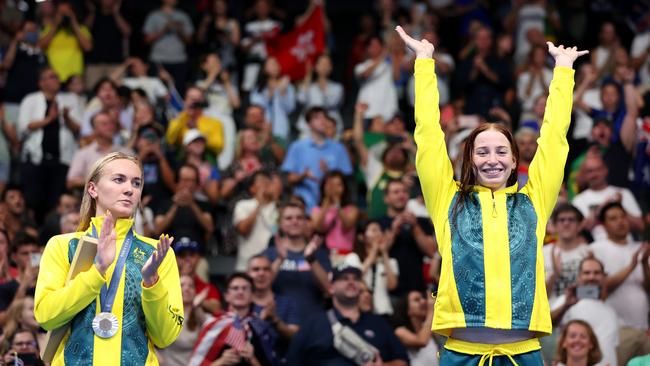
192, 117
491, 301
130, 300
65, 42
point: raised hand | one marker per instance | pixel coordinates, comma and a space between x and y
106, 244
422, 49
150, 269
564, 56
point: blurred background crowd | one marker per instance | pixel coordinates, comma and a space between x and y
288, 171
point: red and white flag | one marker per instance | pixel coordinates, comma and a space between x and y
305, 42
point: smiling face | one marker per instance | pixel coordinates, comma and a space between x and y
577, 342
118, 189
493, 159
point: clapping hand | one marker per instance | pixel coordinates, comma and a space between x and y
564, 56
106, 244
150, 268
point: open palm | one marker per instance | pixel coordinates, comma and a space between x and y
423, 48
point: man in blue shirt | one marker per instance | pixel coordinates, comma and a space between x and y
309, 159
314, 342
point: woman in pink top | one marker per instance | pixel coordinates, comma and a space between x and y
335, 218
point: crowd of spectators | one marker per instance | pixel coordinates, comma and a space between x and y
305, 191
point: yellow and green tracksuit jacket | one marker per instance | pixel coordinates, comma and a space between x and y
147, 316
492, 264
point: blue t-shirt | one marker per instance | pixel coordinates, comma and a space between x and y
296, 281
305, 154
314, 343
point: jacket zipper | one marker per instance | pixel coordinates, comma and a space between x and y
494, 206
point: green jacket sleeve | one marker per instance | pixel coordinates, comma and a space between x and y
55, 303
546, 171
162, 304
432, 160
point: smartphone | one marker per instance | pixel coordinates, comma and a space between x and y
588, 292
35, 259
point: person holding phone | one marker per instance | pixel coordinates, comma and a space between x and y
491, 302
586, 300
130, 299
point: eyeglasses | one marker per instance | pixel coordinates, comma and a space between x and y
566, 219
239, 288
24, 344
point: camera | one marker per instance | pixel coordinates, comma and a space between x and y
588, 292
352, 346
199, 105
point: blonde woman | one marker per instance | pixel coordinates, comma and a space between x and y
130, 300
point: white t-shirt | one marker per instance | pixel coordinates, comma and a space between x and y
630, 299
380, 297
538, 88
583, 122
152, 86
529, 16
603, 320
258, 238
640, 43
425, 356
570, 266
377, 90
589, 200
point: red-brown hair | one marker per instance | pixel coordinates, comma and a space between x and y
468, 175
593, 357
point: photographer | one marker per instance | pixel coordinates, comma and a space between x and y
191, 117
25, 348
585, 300
365, 338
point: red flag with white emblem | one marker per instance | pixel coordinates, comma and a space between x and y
305, 42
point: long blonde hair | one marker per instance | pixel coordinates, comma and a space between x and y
89, 204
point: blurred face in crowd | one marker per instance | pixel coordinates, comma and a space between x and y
616, 224
187, 179
365, 298
346, 289
395, 127
187, 262
193, 96
395, 158
483, 40
417, 305
220, 7
323, 66
104, 126
27, 316
239, 294
493, 159
250, 141
527, 144
540, 107
601, 133
169, 2
330, 127
196, 147
15, 202
373, 233
143, 113
24, 342
70, 222
212, 63
318, 123
538, 56
107, 94
610, 97
567, 225
76, 85
292, 222
138, 67
188, 289
591, 273
118, 189
375, 48
21, 256
261, 183
595, 171
49, 82
334, 187
607, 34
67, 203
577, 341
272, 68
254, 117
259, 268
396, 196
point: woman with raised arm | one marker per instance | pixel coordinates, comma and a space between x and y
127, 302
491, 301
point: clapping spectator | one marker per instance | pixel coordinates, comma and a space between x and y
168, 30
23, 350
217, 33
335, 217
375, 76
109, 29
380, 271
414, 329
137, 77
107, 100
275, 93
65, 41
534, 79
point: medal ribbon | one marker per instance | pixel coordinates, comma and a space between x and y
107, 295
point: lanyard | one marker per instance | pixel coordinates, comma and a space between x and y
107, 295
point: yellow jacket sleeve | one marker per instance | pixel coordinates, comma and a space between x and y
432, 161
546, 171
176, 130
55, 303
212, 129
162, 304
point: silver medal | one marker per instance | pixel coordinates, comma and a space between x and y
105, 325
